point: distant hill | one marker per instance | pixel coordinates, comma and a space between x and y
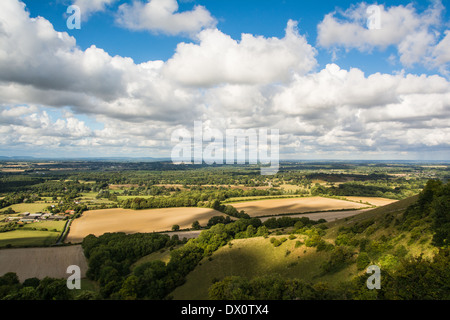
119, 159
15, 158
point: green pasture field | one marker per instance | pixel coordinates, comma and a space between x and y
28, 238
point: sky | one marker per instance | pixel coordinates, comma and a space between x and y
339, 79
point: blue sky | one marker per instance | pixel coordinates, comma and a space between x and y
309, 68
259, 17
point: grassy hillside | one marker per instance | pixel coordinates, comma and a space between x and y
334, 253
161, 255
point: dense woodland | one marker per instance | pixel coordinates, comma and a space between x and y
35, 289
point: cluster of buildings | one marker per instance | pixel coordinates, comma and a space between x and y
27, 217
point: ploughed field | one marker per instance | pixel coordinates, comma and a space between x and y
42, 262
295, 205
98, 222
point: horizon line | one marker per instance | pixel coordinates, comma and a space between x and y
161, 159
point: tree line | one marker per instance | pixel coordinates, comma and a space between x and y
35, 289
363, 190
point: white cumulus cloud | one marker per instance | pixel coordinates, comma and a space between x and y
415, 35
218, 58
162, 16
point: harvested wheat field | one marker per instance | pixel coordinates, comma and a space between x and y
42, 262
328, 216
376, 201
98, 222
297, 205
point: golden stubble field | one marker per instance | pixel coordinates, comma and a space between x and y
297, 205
376, 201
42, 262
98, 222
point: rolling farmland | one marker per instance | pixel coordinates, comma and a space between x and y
98, 222
298, 205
